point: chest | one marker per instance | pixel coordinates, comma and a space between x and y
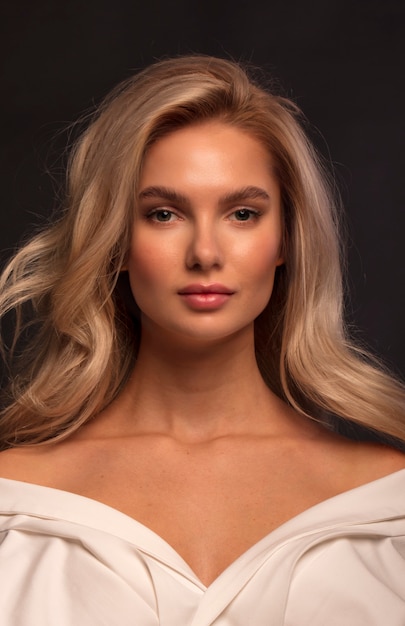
210, 507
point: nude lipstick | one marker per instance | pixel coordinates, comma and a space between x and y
206, 297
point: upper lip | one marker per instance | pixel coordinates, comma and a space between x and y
214, 288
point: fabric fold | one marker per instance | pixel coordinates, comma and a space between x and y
66, 560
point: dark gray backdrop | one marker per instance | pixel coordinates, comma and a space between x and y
341, 60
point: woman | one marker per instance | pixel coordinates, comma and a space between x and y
171, 437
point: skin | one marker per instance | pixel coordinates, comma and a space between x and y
196, 447
216, 231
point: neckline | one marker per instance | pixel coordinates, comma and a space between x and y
19, 497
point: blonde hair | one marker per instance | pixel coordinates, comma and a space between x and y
83, 344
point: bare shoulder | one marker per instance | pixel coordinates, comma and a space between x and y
346, 463
378, 460
360, 462
23, 463
46, 464
13, 458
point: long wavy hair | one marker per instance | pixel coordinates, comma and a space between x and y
83, 339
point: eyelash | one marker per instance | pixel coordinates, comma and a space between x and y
253, 215
151, 216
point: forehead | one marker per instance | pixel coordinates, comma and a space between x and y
208, 154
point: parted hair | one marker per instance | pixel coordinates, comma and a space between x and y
68, 283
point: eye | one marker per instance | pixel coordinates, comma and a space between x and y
162, 215
244, 215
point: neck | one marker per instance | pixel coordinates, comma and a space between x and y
196, 390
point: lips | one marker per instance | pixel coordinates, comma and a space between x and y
201, 289
206, 298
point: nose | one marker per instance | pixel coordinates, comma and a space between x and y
204, 250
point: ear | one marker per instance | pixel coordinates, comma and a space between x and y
124, 266
283, 249
281, 257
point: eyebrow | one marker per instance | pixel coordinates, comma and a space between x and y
163, 192
239, 195
246, 193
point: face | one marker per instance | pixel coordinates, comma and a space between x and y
207, 233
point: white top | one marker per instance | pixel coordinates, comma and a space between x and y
66, 560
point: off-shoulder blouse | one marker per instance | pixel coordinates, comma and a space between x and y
67, 560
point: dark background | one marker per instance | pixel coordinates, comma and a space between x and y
342, 61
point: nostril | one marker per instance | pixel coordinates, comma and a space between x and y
203, 255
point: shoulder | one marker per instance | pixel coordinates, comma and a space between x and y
348, 464
371, 461
25, 464
359, 572
374, 461
358, 565
49, 465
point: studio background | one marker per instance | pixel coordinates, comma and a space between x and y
342, 61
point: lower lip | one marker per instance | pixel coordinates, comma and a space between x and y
205, 301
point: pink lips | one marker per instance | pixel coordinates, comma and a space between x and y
206, 297
214, 288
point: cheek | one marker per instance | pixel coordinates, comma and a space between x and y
262, 256
142, 260
149, 265
262, 263
267, 261
144, 257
